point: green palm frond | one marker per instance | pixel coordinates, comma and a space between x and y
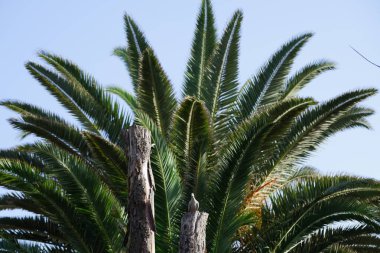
203, 46
322, 201
12, 201
353, 249
131, 55
13, 245
312, 127
355, 117
362, 243
303, 217
221, 87
48, 195
81, 95
190, 138
237, 164
53, 83
304, 76
127, 97
155, 93
88, 193
60, 133
48, 231
321, 240
21, 155
110, 163
268, 146
309, 130
268, 85
70, 194
87, 93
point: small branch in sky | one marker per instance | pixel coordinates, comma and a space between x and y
365, 58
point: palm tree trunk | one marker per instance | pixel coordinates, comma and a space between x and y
193, 231
141, 226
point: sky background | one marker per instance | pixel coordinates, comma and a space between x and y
87, 31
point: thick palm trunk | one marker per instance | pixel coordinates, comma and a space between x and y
193, 230
141, 226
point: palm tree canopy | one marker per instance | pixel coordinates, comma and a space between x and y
240, 148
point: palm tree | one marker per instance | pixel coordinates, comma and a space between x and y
239, 149
310, 216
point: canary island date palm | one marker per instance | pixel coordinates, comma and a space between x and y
297, 218
239, 149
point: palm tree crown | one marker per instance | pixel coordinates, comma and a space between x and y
239, 149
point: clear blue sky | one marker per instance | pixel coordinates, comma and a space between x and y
87, 31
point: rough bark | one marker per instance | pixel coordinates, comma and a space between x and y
193, 231
141, 226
